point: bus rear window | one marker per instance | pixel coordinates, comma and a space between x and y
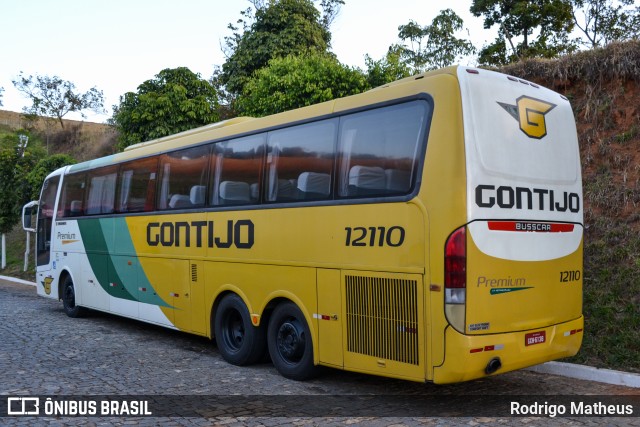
378, 150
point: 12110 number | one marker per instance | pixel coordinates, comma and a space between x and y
570, 276
375, 236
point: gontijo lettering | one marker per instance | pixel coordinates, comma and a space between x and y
197, 233
506, 197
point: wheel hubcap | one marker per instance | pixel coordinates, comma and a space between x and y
234, 331
291, 341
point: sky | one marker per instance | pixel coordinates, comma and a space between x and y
115, 45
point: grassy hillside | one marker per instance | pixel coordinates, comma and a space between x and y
82, 140
604, 88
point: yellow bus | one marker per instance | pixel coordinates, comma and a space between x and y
430, 230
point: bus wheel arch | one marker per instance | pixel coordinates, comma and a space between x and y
239, 341
290, 341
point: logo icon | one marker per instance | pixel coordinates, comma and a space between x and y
23, 406
46, 283
530, 112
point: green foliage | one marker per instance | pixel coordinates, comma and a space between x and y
8, 196
552, 20
174, 101
54, 97
35, 177
298, 81
433, 46
611, 296
388, 69
280, 28
16, 164
606, 21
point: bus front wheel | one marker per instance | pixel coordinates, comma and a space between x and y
239, 342
289, 342
69, 299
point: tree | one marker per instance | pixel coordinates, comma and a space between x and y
388, 69
13, 167
278, 29
36, 175
8, 197
1, 91
174, 101
434, 46
54, 97
518, 20
603, 21
298, 81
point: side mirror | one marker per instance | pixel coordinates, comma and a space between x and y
28, 211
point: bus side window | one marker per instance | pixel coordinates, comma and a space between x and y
237, 171
300, 162
137, 183
378, 150
102, 190
183, 178
72, 198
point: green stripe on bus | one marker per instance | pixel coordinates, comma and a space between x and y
114, 273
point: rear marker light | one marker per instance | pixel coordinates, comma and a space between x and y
455, 267
471, 71
487, 348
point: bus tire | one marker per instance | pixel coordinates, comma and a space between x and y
69, 305
239, 342
290, 344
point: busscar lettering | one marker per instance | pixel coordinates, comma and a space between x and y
240, 234
506, 197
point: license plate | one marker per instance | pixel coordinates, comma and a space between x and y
535, 338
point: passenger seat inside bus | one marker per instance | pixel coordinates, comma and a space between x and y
75, 208
374, 180
367, 180
234, 193
179, 201
398, 180
196, 195
314, 185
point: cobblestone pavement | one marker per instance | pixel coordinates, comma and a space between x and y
43, 352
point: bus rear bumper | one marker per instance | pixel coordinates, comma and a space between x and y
469, 356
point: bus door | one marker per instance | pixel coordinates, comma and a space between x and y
44, 227
176, 286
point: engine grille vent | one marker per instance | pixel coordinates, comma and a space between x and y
382, 318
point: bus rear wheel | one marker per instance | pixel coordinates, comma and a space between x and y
239, 342
69, 305
289, 341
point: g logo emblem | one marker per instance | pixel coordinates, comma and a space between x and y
530, 112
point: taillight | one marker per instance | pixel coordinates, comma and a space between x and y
455, 267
